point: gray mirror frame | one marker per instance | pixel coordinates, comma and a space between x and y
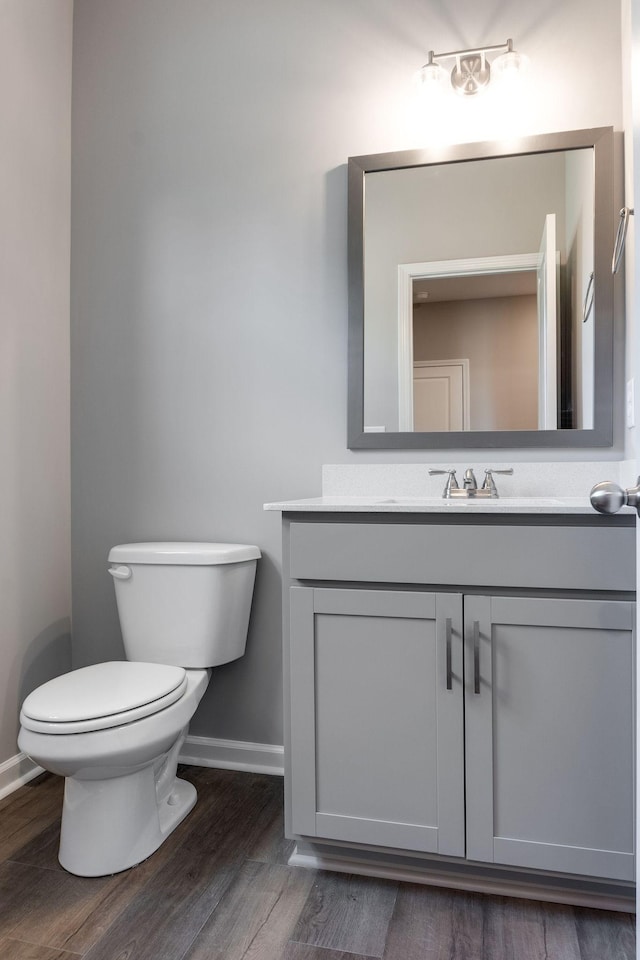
601, 140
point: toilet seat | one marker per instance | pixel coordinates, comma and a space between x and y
101, 696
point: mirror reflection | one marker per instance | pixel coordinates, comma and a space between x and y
475, 278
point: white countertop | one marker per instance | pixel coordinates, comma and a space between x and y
520, 505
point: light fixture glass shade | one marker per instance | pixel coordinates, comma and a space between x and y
431, 76
508, 66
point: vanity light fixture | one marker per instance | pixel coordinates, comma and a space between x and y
472, 70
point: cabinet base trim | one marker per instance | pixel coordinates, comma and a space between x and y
463, 881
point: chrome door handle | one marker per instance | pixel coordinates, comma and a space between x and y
608, 497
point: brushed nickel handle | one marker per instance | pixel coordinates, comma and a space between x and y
490, 484
608, 497
448, 653
476, 656
452, 481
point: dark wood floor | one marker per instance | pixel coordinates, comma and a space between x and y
220, 889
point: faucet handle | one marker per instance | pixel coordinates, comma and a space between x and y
489, 483
451, 484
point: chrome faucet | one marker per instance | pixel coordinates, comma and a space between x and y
470, 482
469, 489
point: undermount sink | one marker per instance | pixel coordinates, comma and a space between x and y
529, 501
506, 502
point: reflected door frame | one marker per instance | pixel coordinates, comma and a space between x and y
407, 273
548, 283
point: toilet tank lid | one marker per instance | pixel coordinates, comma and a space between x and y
203, 554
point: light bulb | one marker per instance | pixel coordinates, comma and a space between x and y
431, 76
509, 66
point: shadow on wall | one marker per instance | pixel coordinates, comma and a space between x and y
255, 680
47, 656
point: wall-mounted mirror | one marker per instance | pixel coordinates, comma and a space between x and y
481, 296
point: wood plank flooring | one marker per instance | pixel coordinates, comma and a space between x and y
220, 889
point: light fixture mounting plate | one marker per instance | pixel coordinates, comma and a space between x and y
470, 74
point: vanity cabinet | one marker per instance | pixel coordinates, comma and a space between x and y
491, 724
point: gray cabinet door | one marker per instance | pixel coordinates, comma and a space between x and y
549, 734
377, 718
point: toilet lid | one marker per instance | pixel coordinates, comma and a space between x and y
102, 695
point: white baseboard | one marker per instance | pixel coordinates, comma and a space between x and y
233, 755
199, 751
15, 772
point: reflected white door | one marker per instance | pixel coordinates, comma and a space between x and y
547, 326
440, 395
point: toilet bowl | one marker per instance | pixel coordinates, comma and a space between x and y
114, 730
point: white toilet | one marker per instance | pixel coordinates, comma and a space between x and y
115, 730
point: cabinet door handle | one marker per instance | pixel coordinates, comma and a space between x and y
448, 652
476, 656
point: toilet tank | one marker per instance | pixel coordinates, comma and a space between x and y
185, 604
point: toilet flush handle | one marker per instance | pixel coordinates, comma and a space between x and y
121, 572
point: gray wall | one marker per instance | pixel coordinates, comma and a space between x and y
35, 562
209, 261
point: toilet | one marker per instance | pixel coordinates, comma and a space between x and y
114, 730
